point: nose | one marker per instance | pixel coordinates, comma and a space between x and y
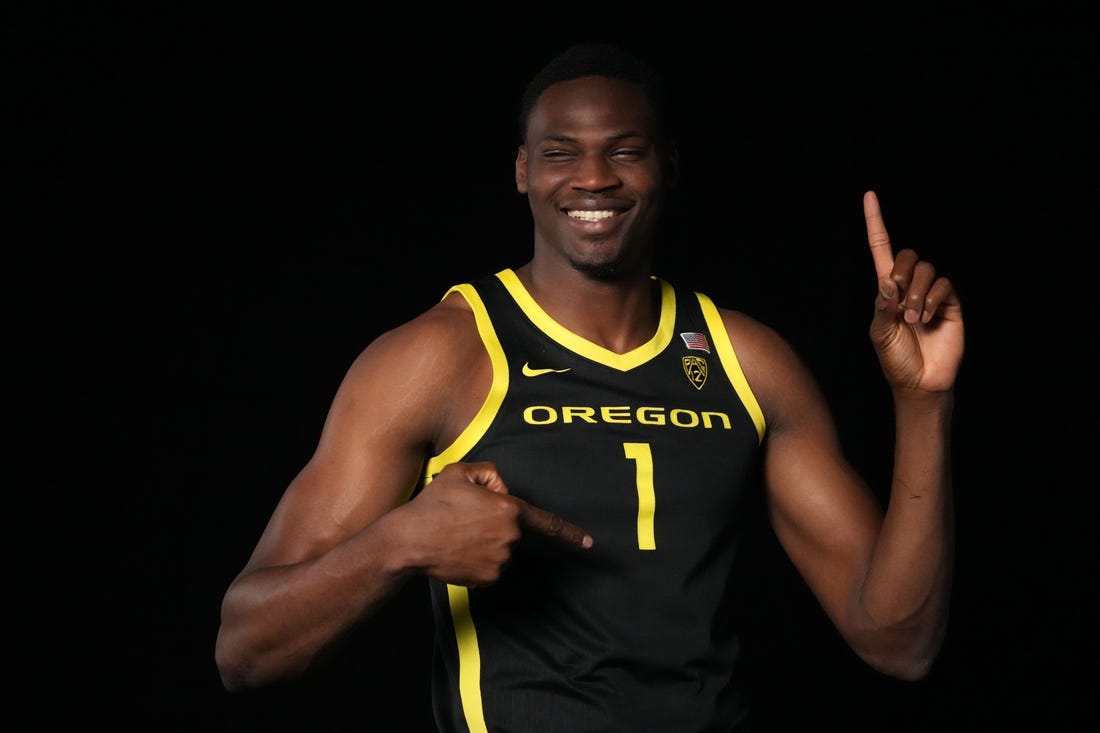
595, 173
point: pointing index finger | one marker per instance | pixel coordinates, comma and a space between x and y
877, 236
553, 525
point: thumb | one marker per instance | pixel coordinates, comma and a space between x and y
486, 475
886, 306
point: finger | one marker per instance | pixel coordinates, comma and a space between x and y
877, 236
905, 261
552, 525
921, 280
940, 296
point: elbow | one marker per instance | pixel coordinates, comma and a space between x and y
231, 668
904, 655
904, 648
241, 666
241, 655
904, 667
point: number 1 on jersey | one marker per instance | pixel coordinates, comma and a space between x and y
647, 499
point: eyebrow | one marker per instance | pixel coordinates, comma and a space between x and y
609, 138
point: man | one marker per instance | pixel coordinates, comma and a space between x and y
563, 450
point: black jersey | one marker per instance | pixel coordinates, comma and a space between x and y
651, 451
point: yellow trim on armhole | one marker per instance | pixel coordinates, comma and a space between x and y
458, 597
477, 427
730, 363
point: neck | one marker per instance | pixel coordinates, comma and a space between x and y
619, 314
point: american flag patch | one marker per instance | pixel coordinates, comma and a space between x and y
696, 341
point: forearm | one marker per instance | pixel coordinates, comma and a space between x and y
908, 583
275, 621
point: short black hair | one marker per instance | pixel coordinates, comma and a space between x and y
596, 59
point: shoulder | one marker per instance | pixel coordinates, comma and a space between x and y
752, 338
424, 378
447, 328
776, 372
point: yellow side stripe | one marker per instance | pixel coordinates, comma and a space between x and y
469, 658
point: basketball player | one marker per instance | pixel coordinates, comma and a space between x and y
564, 450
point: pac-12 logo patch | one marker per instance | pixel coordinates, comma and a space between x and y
695, 367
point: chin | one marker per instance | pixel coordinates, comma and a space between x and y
602, 270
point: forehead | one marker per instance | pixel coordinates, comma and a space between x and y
567, 108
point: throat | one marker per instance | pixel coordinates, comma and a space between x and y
616, 315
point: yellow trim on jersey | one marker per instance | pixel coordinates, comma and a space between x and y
469, 658
477, 427
730, 363
469, 655
584, 347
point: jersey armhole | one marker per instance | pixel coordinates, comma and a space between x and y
477, 427
731, 364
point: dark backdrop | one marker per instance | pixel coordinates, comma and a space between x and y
214, 210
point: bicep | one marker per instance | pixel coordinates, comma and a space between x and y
823, 514
367, 461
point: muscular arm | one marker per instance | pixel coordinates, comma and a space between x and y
344, 537
332, 550
882, 576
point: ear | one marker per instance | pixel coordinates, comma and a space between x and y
521, 169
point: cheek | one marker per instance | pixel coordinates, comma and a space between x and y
542, 177
541, 188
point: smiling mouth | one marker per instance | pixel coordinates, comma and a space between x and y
585, 215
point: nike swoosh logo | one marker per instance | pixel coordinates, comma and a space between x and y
529, 372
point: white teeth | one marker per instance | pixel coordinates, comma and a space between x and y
591, 215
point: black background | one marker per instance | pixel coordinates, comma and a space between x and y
214, 210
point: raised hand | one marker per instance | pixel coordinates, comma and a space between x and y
917, 330
467, 523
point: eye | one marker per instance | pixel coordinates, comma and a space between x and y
557, 154
629, 155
